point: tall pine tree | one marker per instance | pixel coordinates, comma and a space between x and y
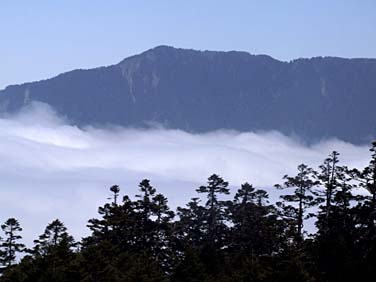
11, 245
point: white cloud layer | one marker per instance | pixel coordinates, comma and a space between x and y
49, 169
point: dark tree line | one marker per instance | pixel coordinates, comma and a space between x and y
214, 237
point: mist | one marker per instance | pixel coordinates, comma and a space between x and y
50, 169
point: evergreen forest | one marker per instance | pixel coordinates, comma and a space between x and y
216, 236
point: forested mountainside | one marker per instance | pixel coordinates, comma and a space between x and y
201, 91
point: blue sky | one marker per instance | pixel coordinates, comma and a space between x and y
40, 39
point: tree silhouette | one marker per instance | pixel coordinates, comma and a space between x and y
115, 189
11, 245
303, 195
244, 239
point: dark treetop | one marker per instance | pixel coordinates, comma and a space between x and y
217, 236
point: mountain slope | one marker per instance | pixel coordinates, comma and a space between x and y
202, 91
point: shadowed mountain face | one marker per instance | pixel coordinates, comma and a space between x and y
203, 91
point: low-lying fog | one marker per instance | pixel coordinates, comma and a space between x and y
49, 169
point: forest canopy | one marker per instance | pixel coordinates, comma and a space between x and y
216, 236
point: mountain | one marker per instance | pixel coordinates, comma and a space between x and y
200, 91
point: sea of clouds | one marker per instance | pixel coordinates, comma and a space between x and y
50, 169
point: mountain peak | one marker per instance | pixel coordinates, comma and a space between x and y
202, 91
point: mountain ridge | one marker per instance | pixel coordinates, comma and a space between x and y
201, 91
195, 50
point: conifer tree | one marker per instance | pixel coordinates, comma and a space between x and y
189, 228
215, 187
115, 189
214, 224
145, 203
100, 250
53, 253
55, 237
367, 180
328, 177
163, 231
11, 245
303, 197
255, 224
